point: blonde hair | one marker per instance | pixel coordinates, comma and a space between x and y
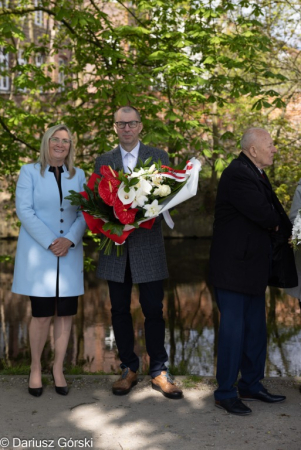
44, 150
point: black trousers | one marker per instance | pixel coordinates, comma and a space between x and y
242, 343
151, 297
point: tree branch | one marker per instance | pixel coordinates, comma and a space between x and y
15, 138
7, 12
131, 13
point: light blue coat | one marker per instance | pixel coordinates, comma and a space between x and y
43, 219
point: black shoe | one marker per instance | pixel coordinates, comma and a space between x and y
263, 396
36, 392
62, 390
233, 406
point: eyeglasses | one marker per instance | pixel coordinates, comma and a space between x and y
57, 140
131, 124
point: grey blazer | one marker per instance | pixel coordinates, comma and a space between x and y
145, 248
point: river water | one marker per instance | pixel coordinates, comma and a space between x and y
191, 318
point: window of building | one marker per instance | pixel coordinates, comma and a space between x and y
21, 59
4, 60
39, 59
38, 15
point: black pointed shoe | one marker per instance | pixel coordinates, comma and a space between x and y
36, 392
62, 390
263, 396
233, 406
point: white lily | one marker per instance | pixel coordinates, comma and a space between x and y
152, 168
152, 209
144, 186
157, 179
140, 199
137, 174
126, 197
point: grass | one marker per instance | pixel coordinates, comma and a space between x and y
24, 369
191, 381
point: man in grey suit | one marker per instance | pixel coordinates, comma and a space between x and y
143, 262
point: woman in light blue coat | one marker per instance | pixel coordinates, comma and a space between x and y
49, 257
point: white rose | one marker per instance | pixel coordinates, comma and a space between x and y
163, 190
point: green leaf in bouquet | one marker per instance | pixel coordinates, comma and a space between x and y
135, 224
103, 211
89, 193
97, 181
107, 244
172, 194
134, 181
114, 228
182, 164
124, 179
139, 215
147, 162
75, 198
139, 164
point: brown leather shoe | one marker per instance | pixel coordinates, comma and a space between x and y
125, 383
164, 383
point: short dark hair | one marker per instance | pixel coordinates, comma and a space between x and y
128, 109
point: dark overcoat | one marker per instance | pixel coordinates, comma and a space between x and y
145, 248
247, 212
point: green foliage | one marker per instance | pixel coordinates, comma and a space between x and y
6, 259
192, 381
198, 71
89, 265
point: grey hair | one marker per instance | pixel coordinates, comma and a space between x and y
128, 109
249, 137
44, 150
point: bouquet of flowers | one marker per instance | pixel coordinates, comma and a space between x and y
116, 203
296, 233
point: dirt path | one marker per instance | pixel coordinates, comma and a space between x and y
144, 419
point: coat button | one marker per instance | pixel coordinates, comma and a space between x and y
61, 231
62, 220
62, 209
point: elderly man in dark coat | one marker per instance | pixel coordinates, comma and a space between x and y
248, 220
143, 262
